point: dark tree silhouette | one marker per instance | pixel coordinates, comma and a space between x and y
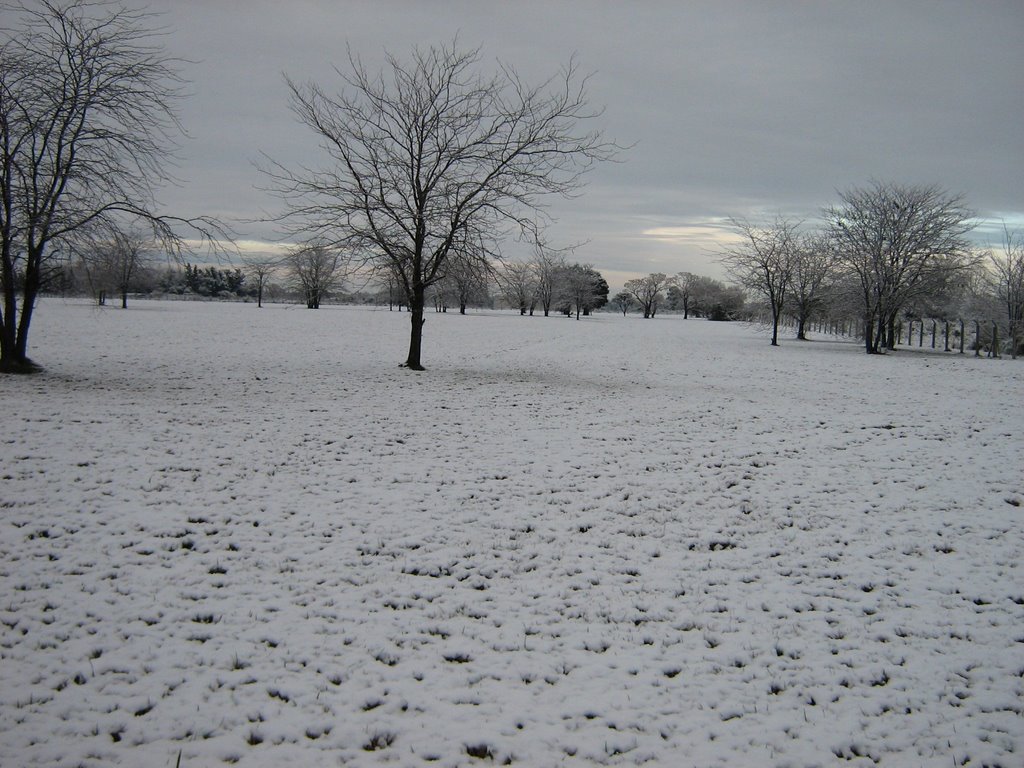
429, 156
87, 123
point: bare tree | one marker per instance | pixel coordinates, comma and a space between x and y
391, 285
762, 262
548, 265
260, 270
467, 274
813, 273
517, 282
681, 290
429, 155
1008, 283
112, 259
624, 301
898, 241
648, 291
317, 271
87, 124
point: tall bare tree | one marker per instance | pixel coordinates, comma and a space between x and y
468, 273
813, 272
899, 242
518, 284
547, 265
317, 271
260, 270
1008, 282
763, 261
87, 126
429, 155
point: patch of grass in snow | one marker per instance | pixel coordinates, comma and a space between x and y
380, 740
481, 751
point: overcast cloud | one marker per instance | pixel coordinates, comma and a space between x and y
735, 108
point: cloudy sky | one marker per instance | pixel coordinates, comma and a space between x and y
733, 108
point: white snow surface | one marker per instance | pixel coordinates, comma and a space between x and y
232, 535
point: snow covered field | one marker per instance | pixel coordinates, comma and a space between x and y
245, 536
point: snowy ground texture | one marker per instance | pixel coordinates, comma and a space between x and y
245, 536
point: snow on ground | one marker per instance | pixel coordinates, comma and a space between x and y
241, 536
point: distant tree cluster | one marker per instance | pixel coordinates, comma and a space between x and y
204, 281
548, 283
693, 295
886, 255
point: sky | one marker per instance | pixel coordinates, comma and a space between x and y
730, 109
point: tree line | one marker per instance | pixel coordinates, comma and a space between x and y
427, 167
886, 254
693, 295
129, 265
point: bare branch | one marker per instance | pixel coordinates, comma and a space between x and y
429, 156
88, 129
898, 241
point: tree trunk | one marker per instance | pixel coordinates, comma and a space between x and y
416, 319
869, 341
9, 362
775, 329
124, 298
801, 335
15, 348
10, 359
